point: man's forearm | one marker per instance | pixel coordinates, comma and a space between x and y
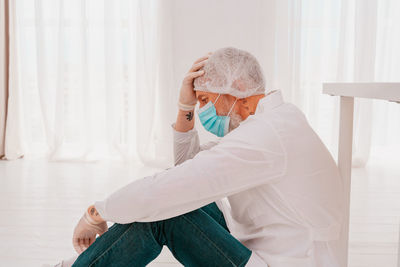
184, 121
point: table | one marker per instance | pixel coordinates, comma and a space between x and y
347, 93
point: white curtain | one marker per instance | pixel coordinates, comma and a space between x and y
325, 41
99, 79
90, 76
3, 73
348, 41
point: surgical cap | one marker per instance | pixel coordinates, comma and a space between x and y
231, 71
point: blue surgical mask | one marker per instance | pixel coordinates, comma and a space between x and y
218, 125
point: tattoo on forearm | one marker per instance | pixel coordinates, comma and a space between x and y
189, 116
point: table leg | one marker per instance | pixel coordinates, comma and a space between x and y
398, 252
344, 164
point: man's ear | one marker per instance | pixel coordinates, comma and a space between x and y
246, 103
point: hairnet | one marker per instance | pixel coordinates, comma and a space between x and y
231, 71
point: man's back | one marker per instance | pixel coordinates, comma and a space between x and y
293, 218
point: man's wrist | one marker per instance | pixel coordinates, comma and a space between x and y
186, 107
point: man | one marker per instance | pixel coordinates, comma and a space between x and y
268, 193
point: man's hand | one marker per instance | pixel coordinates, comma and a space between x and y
187, 95
88, 227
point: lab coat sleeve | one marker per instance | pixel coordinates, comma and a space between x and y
187, 145
247, 157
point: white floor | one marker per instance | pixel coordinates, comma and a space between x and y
41, 202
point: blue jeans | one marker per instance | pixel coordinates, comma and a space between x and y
196, 238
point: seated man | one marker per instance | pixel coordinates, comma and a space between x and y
268, 193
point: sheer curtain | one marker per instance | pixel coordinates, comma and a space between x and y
3, 71
356, 41
100, 79
88, 80
322, 41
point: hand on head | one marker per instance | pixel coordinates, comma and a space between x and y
187, 97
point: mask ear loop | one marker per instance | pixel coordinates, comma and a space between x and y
232, 107
217, 99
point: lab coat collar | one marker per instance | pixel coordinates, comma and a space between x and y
269, 102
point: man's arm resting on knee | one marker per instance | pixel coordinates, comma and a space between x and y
184, 123
252, 156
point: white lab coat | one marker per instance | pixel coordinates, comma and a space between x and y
275, 182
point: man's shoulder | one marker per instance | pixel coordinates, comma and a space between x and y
255, 133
